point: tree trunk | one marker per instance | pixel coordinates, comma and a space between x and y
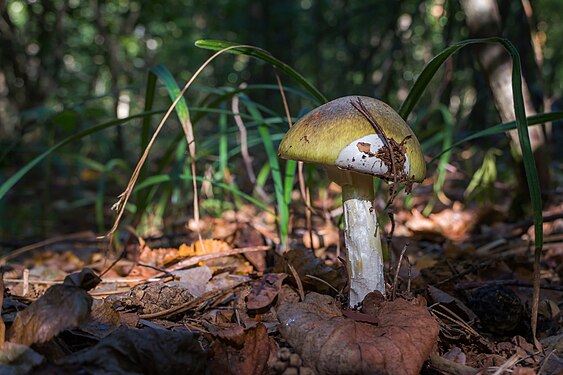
483, 20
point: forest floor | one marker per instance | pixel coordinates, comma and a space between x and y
458, 302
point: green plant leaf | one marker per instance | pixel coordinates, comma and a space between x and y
217, 45
271, 152
521, 122
173, 91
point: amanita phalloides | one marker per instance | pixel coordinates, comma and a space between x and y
356, 138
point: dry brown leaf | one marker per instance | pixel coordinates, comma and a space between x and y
250, 358
398, 345
454, 223
235, 334
265, 290
208, 247
60, 308
247, 236
85, 279
195, 280
156, 257
195, 249
421, 224
104, 319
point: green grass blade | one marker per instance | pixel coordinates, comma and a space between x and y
430, 70
290, 169
160, 72
217, 45
521, 122
271, 153
524, 137
173, 91
223, 145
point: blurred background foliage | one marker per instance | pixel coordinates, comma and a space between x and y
67, 65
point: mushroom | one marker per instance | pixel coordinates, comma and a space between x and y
352, 137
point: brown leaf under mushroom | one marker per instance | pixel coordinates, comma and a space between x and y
399, 344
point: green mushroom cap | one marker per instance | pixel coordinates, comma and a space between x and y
338, 134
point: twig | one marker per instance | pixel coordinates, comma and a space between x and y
160, 269
298, 281
202, 258
396, 276
359, 105
324, 282
454, 318
508, 364
120, 257
105, 281
284, 100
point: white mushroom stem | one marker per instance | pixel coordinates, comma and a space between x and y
363, 238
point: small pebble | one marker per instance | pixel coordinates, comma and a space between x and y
295, 360
279, 367
291, 371
284, 354
306, 371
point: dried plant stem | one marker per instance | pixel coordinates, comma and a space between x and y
242, 132
124, 197
396, 276
202, 258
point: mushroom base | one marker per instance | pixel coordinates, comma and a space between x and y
363, 246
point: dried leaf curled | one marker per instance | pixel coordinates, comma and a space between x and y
60, 308
398, 345
250, 358
265, 290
